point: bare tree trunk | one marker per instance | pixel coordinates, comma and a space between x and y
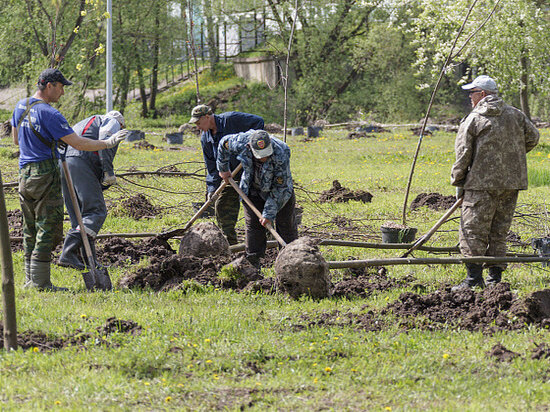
524, 87
8, 288
193, 49
213, 52
141, 82
155, 69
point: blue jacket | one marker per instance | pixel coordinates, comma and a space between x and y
226, 123
275, 178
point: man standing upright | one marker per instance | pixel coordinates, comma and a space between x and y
91, 173
213, 128
38, 128
489, 171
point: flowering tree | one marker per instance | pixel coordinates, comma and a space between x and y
513, 46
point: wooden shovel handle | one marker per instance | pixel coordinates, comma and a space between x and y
181, 231
428, 235
256, 211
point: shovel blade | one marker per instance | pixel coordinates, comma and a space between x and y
101, 280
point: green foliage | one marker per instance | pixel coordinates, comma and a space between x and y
229, 272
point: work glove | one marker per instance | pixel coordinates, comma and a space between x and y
116, 138
459, 192
108, 179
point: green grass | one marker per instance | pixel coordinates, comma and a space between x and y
207, 349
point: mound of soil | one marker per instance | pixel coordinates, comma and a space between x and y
434, 201
340, 194
43, 342
239, 273
273, 128
502, 354
168, 273
360, 283
359, 135
144, 144
224, 97
138, 207
302, 270
119, 251
495, 308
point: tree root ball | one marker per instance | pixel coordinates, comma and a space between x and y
301, 270
202, 240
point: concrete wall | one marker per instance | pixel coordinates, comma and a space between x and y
262, 69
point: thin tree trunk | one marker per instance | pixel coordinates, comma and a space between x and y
141, 82
155, 69
8, 288
193, 49
524, 88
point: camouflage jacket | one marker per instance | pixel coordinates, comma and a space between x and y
275, 177
490, 147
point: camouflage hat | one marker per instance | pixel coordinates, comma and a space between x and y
198, 112
260, 143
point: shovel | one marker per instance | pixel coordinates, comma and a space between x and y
256, 211
96, 278
428, 235
181, 231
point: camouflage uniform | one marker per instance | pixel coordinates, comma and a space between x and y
227, 205
275, 197
491, 166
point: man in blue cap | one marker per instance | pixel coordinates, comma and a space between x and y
38, 129
489, 171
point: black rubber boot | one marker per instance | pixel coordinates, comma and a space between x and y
70, 256
473, 278
40, 277
254, 260
494, 276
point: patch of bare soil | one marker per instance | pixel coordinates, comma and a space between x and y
15, 224
137, 207
360, 283
44, 343
119, 251
502, 354
144, 144
434, 201
359, 135
340, 194
224, 97
541, 351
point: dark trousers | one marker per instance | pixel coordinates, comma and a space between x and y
227, 213
285, 225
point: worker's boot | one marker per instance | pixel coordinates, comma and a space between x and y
254, 260
494, 276
70, 256
473, 278
40, 276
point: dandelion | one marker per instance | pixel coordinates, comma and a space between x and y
167, 399
83, 13
208, 361
180, 385
328, 369
216, 377
83, 316
146, 383
207, 340
57, 402
387, 408
315, 380
35, 349
446, 356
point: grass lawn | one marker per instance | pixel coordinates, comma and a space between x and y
201, 348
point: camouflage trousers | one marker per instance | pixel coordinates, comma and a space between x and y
485, 222
42, 207
227, 212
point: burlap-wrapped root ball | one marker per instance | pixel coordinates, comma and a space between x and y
301, 270
204, 239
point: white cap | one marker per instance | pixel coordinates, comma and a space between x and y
482, 82
114, 114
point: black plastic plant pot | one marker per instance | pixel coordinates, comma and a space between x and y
398, 235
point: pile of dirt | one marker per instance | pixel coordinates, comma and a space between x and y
502, 354
137, 207
44, 343
340, 194
434, 201
168, 273
495, 308
273, 128
360, 283
359, 135
144, 144
119, 252
15, 224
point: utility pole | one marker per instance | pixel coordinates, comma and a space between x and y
109, 59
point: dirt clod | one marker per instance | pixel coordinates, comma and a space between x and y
434, 201
204, 239
144, 144
340, 194
137, 207
360, 283
118, 251
238, 273
502, 354
302, 270
15, 224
